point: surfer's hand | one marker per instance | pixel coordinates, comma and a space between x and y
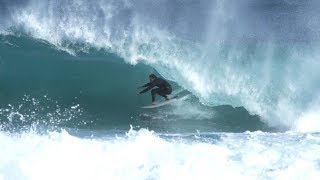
138, 93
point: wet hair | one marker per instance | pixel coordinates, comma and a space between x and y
152, 76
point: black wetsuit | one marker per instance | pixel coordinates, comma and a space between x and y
164, 88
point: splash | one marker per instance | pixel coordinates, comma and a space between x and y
143, 154
37, 115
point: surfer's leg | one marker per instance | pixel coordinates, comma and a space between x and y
165, 96
154, 92
166, 92
163, 93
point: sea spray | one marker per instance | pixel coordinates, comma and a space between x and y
145, 154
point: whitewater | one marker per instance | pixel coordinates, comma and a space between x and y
247, 72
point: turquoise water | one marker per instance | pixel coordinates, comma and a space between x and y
247, 73
98, 89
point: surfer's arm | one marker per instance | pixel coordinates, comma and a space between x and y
149, 86
146, 85
146, 89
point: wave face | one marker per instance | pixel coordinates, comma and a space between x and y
255, 54
44, 88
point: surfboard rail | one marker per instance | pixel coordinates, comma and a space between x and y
162, 103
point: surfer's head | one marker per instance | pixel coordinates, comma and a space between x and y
152, 77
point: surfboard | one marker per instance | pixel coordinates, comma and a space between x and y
162, 103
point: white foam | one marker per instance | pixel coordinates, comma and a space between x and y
144, 155
309, 121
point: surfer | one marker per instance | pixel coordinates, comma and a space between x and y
164, 88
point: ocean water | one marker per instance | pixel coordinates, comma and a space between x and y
247, 74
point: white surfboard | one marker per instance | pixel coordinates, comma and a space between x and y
162, 103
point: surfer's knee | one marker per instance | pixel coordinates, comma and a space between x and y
153, 91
